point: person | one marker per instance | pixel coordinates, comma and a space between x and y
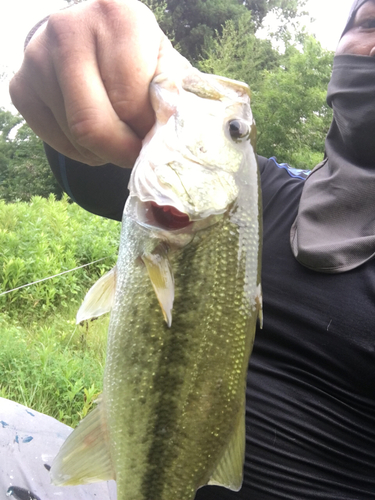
310, 414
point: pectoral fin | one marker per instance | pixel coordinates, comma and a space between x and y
161, 276
229, 470
84, 457
99, 299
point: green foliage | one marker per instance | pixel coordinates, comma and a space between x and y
237, 53
288, 90
53, 366
290, 109
7, 122
24, 170
46, 237
286, 9
192, 24
46, 361
162, 14
195, 22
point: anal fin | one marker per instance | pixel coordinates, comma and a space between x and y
229, 471
85, 456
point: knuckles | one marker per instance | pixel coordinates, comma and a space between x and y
88, 130
63, 27
19, 91
14, 90
96, 16
122, 13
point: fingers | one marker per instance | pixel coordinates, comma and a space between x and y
107, 103
128, 73
91, 121
83, 86
43, 107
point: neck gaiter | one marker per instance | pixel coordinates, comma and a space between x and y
335, 227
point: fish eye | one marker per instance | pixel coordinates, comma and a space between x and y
238, 129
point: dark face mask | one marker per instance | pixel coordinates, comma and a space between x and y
351, 94
335, 227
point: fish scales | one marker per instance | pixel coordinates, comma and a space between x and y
176, 395
184, 299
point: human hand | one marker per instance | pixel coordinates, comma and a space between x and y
83, 86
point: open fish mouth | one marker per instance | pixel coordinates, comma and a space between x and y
169, 217
152, 215
169, 220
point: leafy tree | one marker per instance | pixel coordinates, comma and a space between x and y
237, 53
162, 14
24, 170
7, 122
192, 24
195, 21
288, 90
290, 108
286, 9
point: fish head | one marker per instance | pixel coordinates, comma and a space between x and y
192, 161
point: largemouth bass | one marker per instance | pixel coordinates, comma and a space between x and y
171, 417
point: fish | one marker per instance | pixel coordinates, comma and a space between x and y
185, 299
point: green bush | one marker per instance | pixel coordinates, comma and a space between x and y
45, 237
46, 361
24, 169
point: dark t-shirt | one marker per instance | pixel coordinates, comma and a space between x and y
311, 381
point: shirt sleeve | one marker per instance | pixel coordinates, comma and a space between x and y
100, 190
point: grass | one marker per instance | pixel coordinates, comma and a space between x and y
53, 365
47, 362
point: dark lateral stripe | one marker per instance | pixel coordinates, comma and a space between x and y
167, 384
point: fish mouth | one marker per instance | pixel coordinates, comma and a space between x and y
166, 219
169, 217
160, 217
